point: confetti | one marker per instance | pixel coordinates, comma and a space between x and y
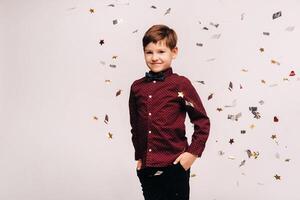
210, 96
114, 57
241, 87
277, 155
135, 31
277, 177
117, 21
261, 49
290, 28
276, 15
118, 92
111, 5
201, 82
250, 153
158, 172
221, 153
275, 62
106, 119
154, 7
261, 102
193, 175
168, 11
216, 36
113, 65
230, 86
252, 126
219, 109
242, 163
263, 81
275, 119
292, 73
199, 44
101, 42
243, 131
205, 28
285, 79
180, 94
254, 112
95, 118
110, 135
234, 117
233, 104
242, 16
273, 137
266, 33
102, 62
215, 25
107, 81
231, 141
244, 70
231, 157
287, 160
92, 10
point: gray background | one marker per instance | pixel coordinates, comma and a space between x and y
53, 74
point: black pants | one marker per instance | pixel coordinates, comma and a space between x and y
165, 183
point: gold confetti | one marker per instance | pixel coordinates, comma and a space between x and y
92, 10
244, 70
252, 126
110, 135
193, 175
114, 57
275, 62
261, 49
263, 81
95, 118
107, 81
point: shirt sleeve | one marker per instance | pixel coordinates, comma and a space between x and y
133, 123
198, 117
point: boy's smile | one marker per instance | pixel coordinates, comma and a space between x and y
158, 56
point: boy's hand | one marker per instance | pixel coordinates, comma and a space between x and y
139, 164
186, 159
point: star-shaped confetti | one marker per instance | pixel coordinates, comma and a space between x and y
277, 177
92, 10
231, 141
180, 94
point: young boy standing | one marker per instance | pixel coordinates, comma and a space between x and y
158, 104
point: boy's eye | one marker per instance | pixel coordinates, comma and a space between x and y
161, 51
148, 52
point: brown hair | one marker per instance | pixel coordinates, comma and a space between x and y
160, 32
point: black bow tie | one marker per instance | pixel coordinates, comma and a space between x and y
155, 76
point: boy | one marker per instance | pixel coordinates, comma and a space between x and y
158, 104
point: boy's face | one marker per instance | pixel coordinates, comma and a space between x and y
158, 56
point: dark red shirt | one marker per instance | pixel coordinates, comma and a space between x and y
157, 111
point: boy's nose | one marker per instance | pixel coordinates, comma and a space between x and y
154, 57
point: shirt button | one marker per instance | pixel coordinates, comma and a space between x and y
149, 131
154, 81
150, 96
150, 150
150, 114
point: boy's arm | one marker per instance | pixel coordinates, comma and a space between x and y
198, 117
133, 122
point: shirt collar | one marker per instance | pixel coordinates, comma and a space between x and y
166, 72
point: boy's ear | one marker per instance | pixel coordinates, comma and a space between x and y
174, 52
